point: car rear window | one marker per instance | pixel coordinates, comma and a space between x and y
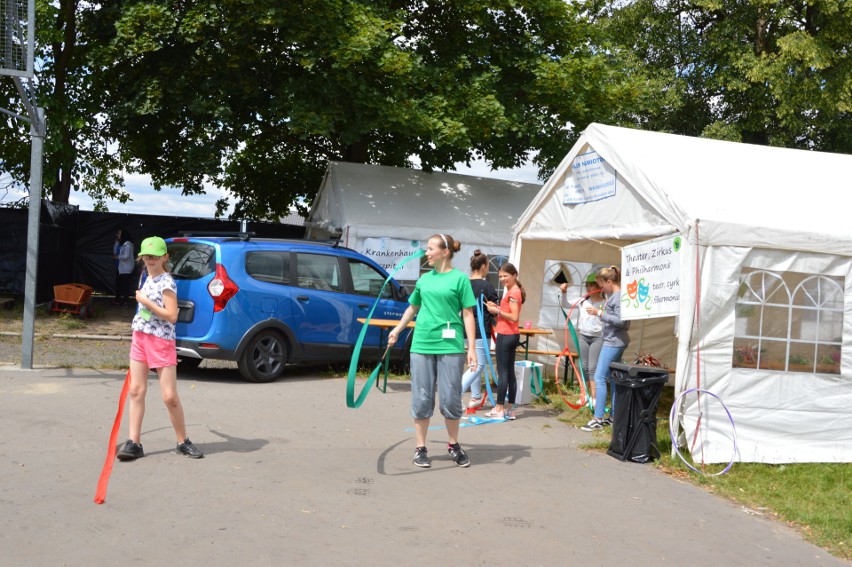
271, 267
191, 260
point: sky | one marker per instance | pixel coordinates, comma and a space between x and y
169, 202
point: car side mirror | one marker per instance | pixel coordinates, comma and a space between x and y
402, 292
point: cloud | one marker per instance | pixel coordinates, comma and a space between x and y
147, 201
170, 202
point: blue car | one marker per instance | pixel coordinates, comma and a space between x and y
264, 303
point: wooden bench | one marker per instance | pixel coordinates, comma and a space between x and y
545, 352
521, 351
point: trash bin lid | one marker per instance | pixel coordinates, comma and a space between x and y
639, 374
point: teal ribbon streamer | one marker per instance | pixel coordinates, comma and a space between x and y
480, 314
351, 401
573, 332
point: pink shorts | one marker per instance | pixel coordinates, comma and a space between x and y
154, 351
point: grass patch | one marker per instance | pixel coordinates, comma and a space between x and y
813, 498
71, 322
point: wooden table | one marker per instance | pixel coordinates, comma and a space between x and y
525, 338
385, 326
525, 342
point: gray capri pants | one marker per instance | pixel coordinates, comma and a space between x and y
441, 372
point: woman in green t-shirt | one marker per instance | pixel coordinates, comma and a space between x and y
443, 302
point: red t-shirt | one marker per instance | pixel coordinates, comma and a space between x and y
504, 326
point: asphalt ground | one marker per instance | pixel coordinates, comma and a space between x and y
291, 476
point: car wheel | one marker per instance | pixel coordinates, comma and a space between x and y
185, 364
264, 357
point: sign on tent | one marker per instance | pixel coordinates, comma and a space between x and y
650, 278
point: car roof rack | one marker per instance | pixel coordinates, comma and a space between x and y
246, 236
241, 235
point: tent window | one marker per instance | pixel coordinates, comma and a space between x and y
789, 321
494, 263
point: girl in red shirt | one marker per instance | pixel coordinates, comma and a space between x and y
507, 315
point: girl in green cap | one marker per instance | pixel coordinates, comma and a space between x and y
153, 347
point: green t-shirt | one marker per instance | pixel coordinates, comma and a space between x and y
441, 297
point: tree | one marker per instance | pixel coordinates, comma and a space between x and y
255, 96
777, 73
77, 154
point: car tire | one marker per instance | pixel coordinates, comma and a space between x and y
186, 364
264, 357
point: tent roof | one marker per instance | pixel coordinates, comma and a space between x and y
376, 200
747, 194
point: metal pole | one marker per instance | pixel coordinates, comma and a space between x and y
37, 132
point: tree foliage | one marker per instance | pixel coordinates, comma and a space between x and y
256, 96
77, 151
775, 72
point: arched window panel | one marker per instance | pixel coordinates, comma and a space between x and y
494, 263
762, 310
761, 286
789, 321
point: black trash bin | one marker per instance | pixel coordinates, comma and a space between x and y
637, 390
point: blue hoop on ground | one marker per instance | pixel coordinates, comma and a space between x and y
672, 435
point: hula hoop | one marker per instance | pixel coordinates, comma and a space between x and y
585, 401
673, 436
351, 400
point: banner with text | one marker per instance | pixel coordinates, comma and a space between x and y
591, 179
388, 252
650, 278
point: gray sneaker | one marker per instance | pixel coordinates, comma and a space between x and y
130, 451
458, 455
421, 459
188, 449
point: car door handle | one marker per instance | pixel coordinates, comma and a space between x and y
303, 298
363, 305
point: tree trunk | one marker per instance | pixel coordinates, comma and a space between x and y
60, 189
355, 153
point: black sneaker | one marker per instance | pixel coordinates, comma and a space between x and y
130, 451
607, 421
458, 455
188, 449
421, 459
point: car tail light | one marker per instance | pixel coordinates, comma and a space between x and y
221, 288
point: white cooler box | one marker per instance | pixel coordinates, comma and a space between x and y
526, 370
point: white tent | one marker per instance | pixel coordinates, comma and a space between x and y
765, 312
361, 203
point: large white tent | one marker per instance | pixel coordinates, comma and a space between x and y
765, 270
364, 203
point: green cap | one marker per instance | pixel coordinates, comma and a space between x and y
592, 278
153, 246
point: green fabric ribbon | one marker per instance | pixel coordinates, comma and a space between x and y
351, 401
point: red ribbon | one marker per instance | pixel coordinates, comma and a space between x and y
103, 481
